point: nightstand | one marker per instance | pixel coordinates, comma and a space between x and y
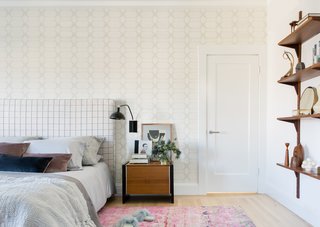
147, 179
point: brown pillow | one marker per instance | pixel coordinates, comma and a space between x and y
59, 162
14, 149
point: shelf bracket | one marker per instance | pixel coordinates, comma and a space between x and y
297, 127
296, 87
298, 185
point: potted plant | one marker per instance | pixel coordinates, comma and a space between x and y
163, 151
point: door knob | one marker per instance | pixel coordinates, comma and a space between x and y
214, 132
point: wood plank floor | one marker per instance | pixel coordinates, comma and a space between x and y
263, 210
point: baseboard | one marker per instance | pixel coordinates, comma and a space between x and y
293, 204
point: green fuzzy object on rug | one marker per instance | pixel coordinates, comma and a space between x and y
143, 215
128, 221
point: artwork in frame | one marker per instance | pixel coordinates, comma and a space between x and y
156, 132
145, 147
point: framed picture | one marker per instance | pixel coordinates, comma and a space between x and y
156, 132
143, 147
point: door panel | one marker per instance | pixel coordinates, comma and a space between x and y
232, 116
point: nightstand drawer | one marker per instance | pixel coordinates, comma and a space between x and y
148, 180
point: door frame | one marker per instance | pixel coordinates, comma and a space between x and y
203, 52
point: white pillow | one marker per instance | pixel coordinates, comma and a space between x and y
50, 146
18, 139
92, 146
90, 156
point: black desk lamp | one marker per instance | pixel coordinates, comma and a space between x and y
133, 125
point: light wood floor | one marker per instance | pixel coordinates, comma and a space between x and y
262, 210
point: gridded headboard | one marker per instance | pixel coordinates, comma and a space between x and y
60, 118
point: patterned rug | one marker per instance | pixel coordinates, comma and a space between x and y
173, 216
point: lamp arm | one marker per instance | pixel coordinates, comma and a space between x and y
128, 108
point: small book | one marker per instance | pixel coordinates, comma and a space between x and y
139, 161
139, 156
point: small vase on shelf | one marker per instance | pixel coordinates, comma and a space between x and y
286, 159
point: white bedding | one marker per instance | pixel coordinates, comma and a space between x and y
30, 200
97, 180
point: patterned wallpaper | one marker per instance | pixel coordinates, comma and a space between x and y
143, 56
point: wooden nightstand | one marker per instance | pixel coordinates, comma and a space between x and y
147, 179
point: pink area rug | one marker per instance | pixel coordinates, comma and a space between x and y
172, 216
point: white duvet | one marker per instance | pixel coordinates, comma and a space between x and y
31, 201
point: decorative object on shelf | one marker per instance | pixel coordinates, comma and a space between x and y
316, 106
156, 132
301, 112
294, 23
314, 54
288, 56
308, 165
308, 99
298, 156
300, 66
133, 124
286, 159
318, 56
163, 150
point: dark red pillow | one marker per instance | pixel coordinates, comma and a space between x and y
59, 162
14, 149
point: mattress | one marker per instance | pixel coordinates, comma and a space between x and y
97, 180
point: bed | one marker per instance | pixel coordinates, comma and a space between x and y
89, 186
97, 181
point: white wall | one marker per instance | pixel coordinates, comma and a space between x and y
281, 101
144, 56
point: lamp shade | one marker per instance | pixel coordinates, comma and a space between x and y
117, 115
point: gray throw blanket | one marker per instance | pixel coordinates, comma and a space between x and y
32, 200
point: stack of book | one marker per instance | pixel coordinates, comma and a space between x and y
139, 159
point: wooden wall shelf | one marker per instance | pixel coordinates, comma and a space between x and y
300, 170
293, 119
297, 172
308, 29
302, 75
303, 33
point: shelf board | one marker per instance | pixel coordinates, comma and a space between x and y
300, 170
305, 31
302, 75
293, 119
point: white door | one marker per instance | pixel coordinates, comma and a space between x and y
232, 123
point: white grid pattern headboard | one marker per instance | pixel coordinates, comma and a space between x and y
60, 118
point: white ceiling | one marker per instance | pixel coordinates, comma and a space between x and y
132, 2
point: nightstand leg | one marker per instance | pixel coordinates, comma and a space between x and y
171, 184
124, 181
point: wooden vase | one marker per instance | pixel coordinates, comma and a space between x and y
298, 156
286, 159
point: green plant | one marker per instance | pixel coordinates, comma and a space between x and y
163, 150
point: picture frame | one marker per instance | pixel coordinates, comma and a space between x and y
143, 147
156, 132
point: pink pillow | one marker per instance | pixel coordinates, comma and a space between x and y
59, 162
14, 149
